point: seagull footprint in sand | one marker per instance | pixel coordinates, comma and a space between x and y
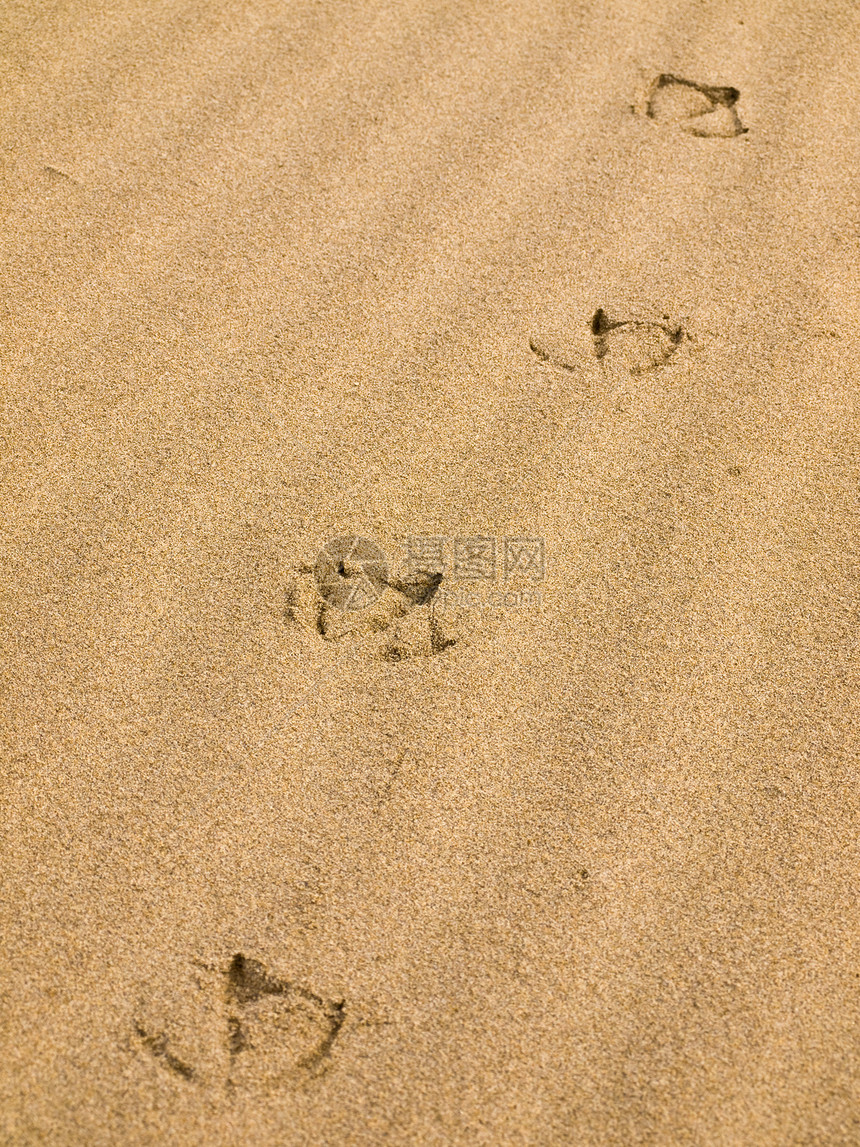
637, 346
401, 619
634, 345
276, 1027
698, 109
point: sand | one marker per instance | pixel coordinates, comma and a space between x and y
558, 300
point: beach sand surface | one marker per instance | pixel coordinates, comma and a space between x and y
564, 854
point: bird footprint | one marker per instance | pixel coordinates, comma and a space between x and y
637, 346
239, 1027
400, 623
634, 345
698, 109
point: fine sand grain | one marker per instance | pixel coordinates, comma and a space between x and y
532, 817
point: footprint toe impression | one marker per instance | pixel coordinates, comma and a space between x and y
553, 350
698, 109
419, 588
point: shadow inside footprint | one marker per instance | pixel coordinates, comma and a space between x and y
419, 633
351, 573
637, 346
419, 588
698, 109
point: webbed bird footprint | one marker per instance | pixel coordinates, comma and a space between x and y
276, 1027
637, 346
633, 345
398, 625
237, 1027
698, 109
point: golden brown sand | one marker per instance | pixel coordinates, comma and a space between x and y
577, 867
